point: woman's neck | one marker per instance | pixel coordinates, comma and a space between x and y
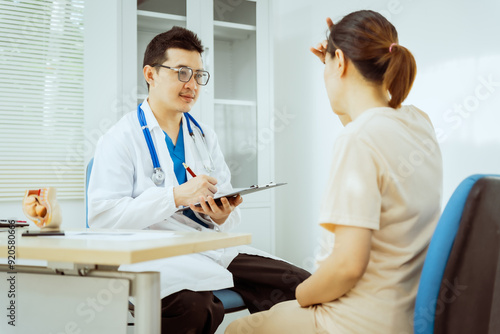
364, 97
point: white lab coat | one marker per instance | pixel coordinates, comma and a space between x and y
121, 195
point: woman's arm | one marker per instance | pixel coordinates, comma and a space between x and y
341, 270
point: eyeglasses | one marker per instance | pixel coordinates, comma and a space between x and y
186, 73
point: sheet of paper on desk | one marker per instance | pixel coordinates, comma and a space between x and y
118, 236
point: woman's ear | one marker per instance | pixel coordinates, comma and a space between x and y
342, 63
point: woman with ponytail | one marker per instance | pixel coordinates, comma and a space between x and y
382, 199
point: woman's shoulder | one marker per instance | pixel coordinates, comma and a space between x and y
416, 119
382, 118
372, 121
412, 109
383, 123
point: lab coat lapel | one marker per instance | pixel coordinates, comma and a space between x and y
161, 147
195, 161
188, 149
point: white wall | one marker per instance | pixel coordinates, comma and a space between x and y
457, 53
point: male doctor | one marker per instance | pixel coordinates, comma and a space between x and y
122, 195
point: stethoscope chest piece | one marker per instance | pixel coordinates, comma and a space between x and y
158, 176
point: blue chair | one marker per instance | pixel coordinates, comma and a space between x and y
456, 284
231, 300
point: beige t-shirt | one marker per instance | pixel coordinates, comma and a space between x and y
386, 176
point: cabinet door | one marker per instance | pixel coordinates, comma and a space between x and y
153, 18
235, 83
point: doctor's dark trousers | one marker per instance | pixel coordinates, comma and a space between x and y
261, 282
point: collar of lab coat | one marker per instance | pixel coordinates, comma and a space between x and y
150, 117
162, 149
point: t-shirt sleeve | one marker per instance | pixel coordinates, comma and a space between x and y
352, 194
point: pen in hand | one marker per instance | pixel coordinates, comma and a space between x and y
189, 169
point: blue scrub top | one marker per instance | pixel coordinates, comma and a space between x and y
178, 156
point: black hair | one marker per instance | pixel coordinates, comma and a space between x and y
177, 37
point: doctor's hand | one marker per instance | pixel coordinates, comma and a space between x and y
220, 213
190, 191
320, 49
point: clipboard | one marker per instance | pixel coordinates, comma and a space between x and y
240, 191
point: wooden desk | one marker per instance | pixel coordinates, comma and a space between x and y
99, 255
118, 251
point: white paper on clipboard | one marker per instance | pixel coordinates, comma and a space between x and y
241, 191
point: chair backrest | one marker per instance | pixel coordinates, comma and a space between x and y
87, 179
439, 288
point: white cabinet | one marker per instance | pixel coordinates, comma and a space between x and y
238, 101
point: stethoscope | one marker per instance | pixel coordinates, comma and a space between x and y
201, 146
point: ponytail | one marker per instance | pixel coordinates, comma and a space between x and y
369, 41
399, 75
